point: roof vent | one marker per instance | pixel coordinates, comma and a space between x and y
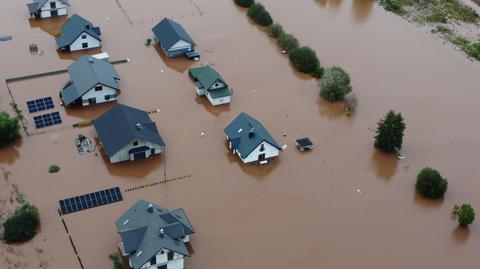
87, 27
150, 208
90, 60
139, 253
240, 130
126, 222
138, 126
251, 133
161, 233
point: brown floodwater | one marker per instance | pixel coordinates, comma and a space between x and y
343, 205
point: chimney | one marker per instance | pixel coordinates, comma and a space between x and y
150, 208
251, 133
161, 233
138, 126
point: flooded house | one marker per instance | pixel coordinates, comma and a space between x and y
48, 8
127, 134
92, 81
174, 40
78, 34
248, 139
210, 84
153, 237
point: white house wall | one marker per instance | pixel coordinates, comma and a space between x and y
60, 7
269, 151
217, 101
123, 155
90, 40
100, 95
181, 44
176, 263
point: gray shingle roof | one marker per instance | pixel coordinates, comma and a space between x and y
85, 73
238, 132
73, 28
37, 4
169, 32
139, 229
118, 126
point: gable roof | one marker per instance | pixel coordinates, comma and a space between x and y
239, 130
206, 76
85, 73
169, 32
73, 28
38, 4
119, 126
140, 230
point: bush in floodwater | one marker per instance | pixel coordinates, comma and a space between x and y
244, 3
259, 15
390, 131
287, 42
464, 213
9, 128
53, 168
148, 42
430, 184
117, 261
335, 84
275, 30
305, 60
395, 6
22, 225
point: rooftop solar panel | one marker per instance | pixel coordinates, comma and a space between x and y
40, 104
46, 120
90, 200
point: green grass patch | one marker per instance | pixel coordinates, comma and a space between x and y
53, 168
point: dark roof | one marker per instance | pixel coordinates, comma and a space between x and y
85, 73
37, 4
169, 32
73, 28
304, 142
122, 124
140, 228
206, 76
239, 134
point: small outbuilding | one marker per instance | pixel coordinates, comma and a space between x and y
304, 143
174, 40
248, 139
78, 34
48, 8
210, 84
92, 81
154, 237
128, 134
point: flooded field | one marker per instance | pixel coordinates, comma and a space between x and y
303, 210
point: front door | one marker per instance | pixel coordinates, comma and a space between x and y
54, 13
92, 100
261, 157
139, 155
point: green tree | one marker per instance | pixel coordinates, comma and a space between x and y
287, 42
259, 15
430, 184
244, 3
275, 30
9, 129
22, 225
465, 214
335, 84
390, 131
117, 261
304, 59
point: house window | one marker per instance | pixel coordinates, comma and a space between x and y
170, 255
98, 88
162, 267
84, 36
135, 143
53, 5
153, 260
107, 97
262, 147
84, 45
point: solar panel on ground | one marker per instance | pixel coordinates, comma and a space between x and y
47, 120
40, 104
90, 200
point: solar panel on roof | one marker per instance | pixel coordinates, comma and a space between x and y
40, 104
90, 200
46, 120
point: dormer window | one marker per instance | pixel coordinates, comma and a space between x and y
153, 260
135, 143
84, 36
98, 88
262, 147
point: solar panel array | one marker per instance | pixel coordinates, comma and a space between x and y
40, 104
47, 120
90, 200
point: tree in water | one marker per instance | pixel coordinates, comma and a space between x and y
390, 131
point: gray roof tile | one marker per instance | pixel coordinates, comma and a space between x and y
169, 32
73, 28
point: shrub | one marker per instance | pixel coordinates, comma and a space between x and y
148, 42
22, 225
390, 131
335, 84
259, 15
53, 168
431, 184
352, 103
395, 6
304, 59
9, 129
287, 42
318, 72
465, 214
244, 3
275, 30
117, 261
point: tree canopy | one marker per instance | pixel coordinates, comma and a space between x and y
9, 128
390, 132
335, 84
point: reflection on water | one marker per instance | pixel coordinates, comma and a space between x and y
258, 171
425, 202
74, 55
214, 110
361, 10
89, 112
137, 169
385, 165
330, 110
9, 154
179, 64
51, 26
461, 234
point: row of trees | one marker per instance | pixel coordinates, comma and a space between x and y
9, 128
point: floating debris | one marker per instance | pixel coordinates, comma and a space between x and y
84, 144
202, 134
358, 191
6, 38
209, 50
33, 48
401, 157
284, 147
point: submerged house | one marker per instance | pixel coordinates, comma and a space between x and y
78, 34
248, 139
174, 40
209, 83
154, 237
92, 81
128, 134
48, 8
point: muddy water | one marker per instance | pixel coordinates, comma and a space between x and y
303, 210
